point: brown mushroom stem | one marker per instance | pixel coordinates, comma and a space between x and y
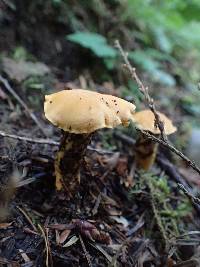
145, 152
68, 159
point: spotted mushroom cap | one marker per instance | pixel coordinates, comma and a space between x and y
144, 120
83, 111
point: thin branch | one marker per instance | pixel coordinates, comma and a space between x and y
191, 163
27, 218
47, 246
30, 140
173, 173
23, 104
87, 255
189, 194
143, 89
49, 142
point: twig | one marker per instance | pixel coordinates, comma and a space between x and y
85, 251
191, 163
46, 245
49, 142
23, 104
27, 218
30, 140
143, 89
189, 194
102, 151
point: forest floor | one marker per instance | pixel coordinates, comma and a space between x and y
120, 216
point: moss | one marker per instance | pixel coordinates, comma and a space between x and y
167, 209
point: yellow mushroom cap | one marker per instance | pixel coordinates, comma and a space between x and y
83, 111
145, 121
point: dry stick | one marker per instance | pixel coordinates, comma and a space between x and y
158, 123
46, 245
48, 142
31, 140
143, 89
191, 163
189, 194
172, 172
27, 218
87, 255
23, 104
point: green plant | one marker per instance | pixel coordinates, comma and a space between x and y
148, 62
168, 212
97, 44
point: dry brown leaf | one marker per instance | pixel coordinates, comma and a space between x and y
122, 166
63, 236
113, 211
5, 225
20, 70
109, 201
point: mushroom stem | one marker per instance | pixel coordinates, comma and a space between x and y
68, 159
145, 152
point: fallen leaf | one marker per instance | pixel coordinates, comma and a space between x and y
10, 263
113, 211
109, 201
72, 241
120, 219
122, 166
63, 236
24, 256
20, 70
98, 247
5, 225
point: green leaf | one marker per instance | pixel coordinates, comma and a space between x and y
163, 77
56, 2
110, 63
191, 35
153, 66
144, 61
160, 56
95, 42
162, 40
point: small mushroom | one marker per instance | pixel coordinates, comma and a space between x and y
79, 113
145, 149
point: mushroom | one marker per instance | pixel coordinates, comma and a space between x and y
146, 149
79, 113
